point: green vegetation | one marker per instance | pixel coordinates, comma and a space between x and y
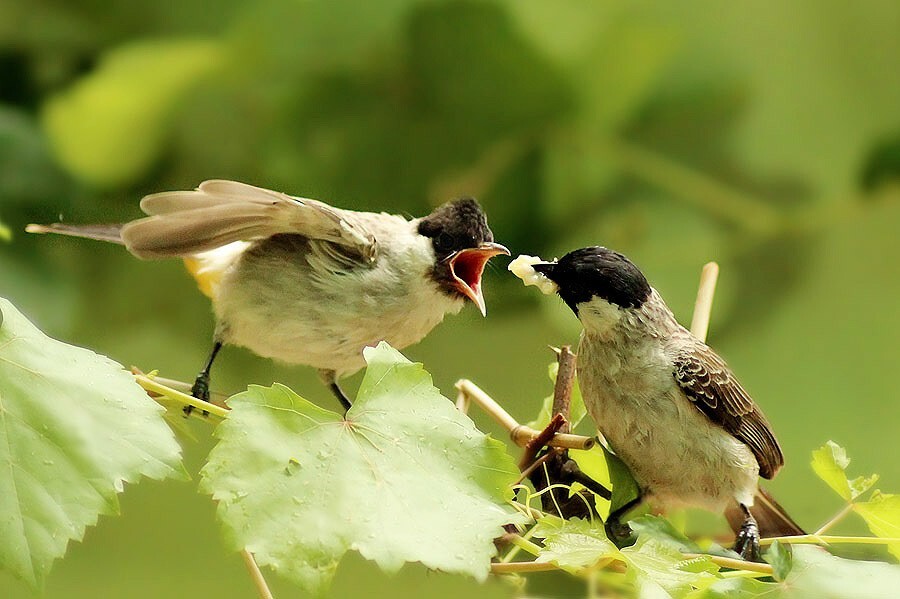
762, 136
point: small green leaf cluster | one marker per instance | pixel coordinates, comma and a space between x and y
663, 562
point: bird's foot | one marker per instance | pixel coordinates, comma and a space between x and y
340, 395
617, 531
200, 390
747, 544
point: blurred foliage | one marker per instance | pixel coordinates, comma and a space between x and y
762, 136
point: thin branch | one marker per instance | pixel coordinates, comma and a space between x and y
562, 390
522, 567
737, 564
538, 443
520, 434
837, 518
537, 464
261, 587
462, 402
829, 540
151, 385
703, 306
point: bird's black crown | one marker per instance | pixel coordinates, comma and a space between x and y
455, 226
597, 271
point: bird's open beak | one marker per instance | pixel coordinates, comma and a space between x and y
467, 266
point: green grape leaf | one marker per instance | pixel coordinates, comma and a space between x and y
74, 427
402, 477
660, 529
577, 411
815, 573
624, 487
656, 569
830, 463
781, 559
111, 125
573, 544
882, 514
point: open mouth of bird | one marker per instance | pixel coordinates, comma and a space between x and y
467, 267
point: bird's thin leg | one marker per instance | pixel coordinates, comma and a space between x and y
329, 377
200, 389
571, 469
747, 543
617, 530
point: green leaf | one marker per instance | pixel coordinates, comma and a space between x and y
402, 477
660, 529
624, 487
573, 544
577, 411
815, 574
830, 462
781, 560
111, 125
656, 569
882, 514
5, 233
74, 427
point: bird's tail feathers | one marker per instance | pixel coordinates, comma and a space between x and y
772, 519
110, 233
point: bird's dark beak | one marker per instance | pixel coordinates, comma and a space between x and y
467, 266
545, 268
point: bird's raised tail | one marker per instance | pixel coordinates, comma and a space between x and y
771, 518
110, 233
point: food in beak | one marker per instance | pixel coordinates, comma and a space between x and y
467, 266
524, 268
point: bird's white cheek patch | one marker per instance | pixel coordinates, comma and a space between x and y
598, 315
523, 267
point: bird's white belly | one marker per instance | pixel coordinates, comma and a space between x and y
676, 454
326, 321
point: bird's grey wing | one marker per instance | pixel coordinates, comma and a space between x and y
709, 383
184, 223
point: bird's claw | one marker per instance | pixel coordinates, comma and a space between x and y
747, 544
617, 531
200, 390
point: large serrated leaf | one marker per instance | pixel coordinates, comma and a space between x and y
882, 514
74, 427
403, 477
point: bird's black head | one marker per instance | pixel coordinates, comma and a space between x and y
597, 272
455, 226
463, 243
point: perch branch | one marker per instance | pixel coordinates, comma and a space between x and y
703, 306
562, 391
153, 386
261, 587
519, 433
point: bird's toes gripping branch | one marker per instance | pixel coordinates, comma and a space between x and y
747, 543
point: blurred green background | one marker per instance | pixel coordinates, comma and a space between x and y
764, 135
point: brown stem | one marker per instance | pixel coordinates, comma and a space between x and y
562, 391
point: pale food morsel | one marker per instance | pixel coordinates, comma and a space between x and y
523, 267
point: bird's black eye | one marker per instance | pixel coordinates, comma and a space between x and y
444, 242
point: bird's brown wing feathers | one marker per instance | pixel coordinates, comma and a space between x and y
184, 223
708, 382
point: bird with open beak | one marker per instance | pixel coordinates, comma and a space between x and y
302, 282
